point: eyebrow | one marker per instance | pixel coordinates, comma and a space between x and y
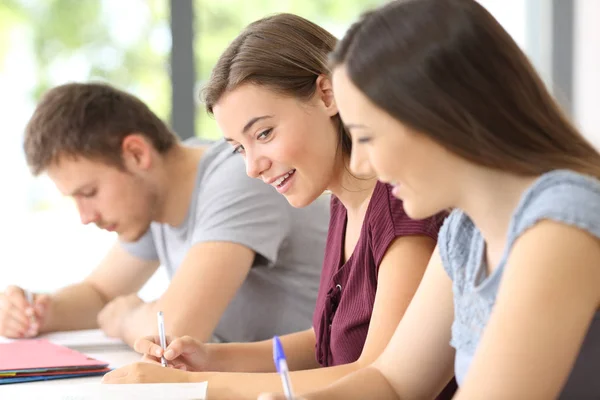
82, 188
253, 121
355, 126
249, 125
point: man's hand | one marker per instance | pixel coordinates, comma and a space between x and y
113, 316
18, 318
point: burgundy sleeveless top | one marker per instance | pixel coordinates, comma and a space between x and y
347, 290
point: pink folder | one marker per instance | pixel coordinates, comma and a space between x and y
51, 373
41, 355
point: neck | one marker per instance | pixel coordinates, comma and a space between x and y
178, 180
490, 199
354, 192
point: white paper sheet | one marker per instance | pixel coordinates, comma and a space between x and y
97, 391
82, 340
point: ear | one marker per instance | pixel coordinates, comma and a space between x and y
325, 93
136, 151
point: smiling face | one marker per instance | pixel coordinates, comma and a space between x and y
288, 143
117, 200
423, 173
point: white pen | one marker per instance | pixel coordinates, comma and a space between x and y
29, 296
161, 335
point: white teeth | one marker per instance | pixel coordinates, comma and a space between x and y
281, 179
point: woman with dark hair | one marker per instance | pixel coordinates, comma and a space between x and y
271, 95
447, 109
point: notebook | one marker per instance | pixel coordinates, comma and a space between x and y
39, 360
49, 377
40, 355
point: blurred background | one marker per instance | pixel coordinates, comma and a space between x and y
163, 51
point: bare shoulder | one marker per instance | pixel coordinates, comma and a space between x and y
558, 250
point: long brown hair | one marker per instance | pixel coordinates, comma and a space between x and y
284, 53
447, 69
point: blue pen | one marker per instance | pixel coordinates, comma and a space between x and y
282, 368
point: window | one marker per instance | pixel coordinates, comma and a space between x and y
124, 43
46, 43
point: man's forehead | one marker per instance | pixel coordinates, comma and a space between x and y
72, 174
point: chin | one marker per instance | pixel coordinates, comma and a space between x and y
300, 201
125, 237
130, 237
416, 212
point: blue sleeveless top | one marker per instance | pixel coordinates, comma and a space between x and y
561, 195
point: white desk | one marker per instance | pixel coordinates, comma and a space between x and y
90, 388
94, 344
115, 359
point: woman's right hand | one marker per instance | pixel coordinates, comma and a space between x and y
185, 353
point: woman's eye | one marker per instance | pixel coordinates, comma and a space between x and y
264, 134
363, 139
238, 149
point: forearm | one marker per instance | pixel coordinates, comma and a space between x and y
241, 357
140, 322
187, 321
258, 356
74, 307
224, 385
367, 383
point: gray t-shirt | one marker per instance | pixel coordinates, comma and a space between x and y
279, 294
560, 195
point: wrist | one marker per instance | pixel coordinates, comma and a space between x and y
221, 357
127, 333
45, 320
213, 357
227, 357
195, 377
129, 322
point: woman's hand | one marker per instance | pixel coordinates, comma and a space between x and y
184, 353
271, 396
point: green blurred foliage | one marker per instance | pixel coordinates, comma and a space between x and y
62, 33
67, 34
10, 17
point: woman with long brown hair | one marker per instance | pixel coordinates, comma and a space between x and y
448, 110
271, 95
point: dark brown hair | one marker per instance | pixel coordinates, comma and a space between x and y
89, 120
447, 69
284, 53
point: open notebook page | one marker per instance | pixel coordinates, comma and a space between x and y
97, 391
